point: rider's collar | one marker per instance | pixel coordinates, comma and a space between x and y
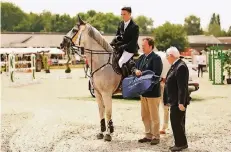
126, 23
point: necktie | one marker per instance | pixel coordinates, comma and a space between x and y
125, 25
143, 61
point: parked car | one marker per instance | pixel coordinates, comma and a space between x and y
193, 84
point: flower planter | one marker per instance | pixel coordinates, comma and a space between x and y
68, 70
47, 71
228, 81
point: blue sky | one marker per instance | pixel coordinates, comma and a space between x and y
159, 10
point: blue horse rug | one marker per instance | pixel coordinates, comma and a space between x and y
133, 86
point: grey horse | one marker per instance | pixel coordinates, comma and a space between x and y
105, 80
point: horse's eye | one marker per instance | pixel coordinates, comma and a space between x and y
74, 30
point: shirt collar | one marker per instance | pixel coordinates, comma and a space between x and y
148, 54
175, 61
126, 23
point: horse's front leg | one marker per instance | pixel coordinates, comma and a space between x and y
107, 98
101, 106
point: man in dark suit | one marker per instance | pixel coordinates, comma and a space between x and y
150, 100
126, 37
177, 97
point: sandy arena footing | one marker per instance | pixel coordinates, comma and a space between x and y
60, 115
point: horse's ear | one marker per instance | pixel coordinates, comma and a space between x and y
81, 22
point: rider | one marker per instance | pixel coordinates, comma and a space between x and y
126, 38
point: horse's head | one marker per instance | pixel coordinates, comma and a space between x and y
69, 37
83, 35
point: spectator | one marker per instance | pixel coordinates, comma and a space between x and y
177, 97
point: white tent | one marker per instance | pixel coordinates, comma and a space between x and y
52, 50
29, 50
17, 50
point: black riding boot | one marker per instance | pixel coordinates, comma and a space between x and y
125, 72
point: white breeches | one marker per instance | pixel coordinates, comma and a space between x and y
125, 57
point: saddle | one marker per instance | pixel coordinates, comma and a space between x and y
127, 67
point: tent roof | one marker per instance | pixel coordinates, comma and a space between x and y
30, 50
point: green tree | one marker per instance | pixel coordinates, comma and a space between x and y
14, 19
170, 35
104, 22
84, 16
223, 33
145, 24
63, 23
91, 13
46, 18
218, 20
192, 25
214, 27
110, 23
31, 23
229, 31
213, 19
36, 22
11, 16
97, 21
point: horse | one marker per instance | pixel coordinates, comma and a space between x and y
104, 78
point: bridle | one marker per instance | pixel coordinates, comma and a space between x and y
76, 48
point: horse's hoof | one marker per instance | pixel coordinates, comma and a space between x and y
107, 137
100, 136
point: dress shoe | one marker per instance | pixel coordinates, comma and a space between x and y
144, 140
155, 141
175, 148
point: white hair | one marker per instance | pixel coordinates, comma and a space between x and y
173, 51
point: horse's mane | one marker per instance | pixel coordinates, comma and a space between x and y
95, 34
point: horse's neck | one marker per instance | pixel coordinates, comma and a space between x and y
103, 71
98, 60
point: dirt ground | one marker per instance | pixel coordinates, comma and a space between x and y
58, 114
